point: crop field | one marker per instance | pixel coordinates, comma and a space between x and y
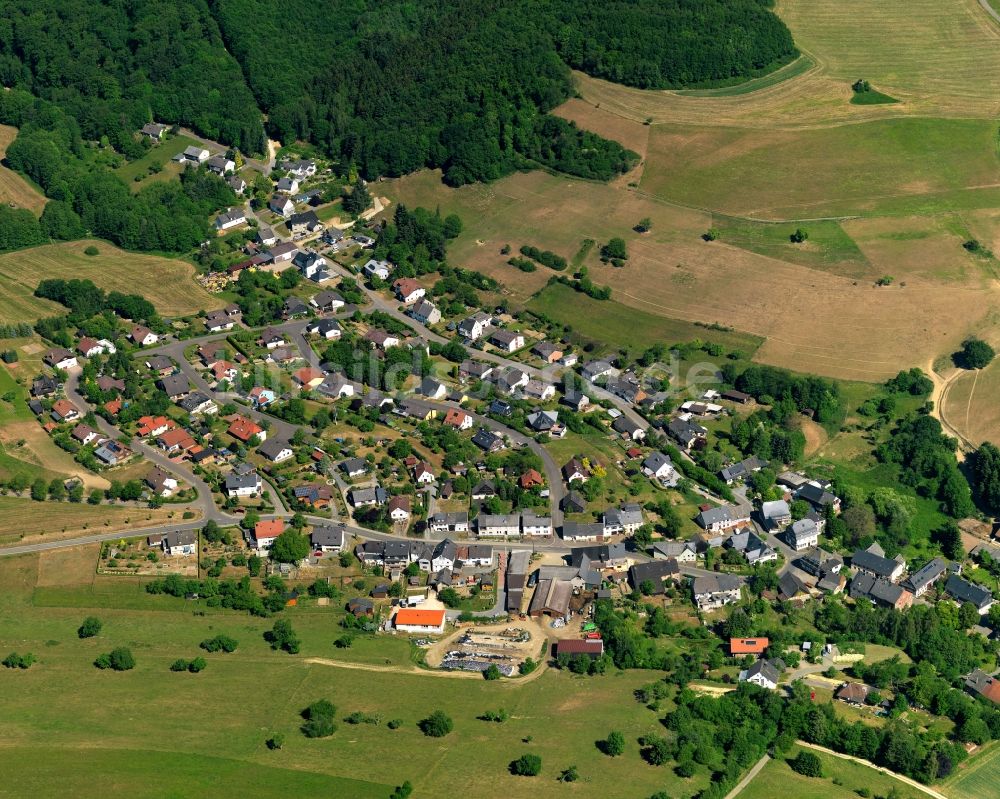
14, 189
977, 779
53, 520
165, 282
778, 779
215, 723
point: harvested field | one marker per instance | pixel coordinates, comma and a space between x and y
14, 189
24, 521
938, 59
969, 404
165, 282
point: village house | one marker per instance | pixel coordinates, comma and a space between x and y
725, 517
921, 580
379, 269
89, 347
83, 434
243, 429
583, 531
880, 591
802, 534
60, 358
174, 386
507, 340
327, 301
327, 538
533, 525
487, 441
64, 411
681, 551
460, 420
746, 542
176, 441
628, 429
265, 533
657, 573
230, 218
307, 377
408, 290
281, 205
575, 470
763, 673
658, 466
624, 520
741, 470
474, 327
312, 265
872, 561
112, 453
686, 433
713, 591
237, 184
399, 508
276, 451
305, 222
547, 351
193, 155
506, 525
261, 397
287, 185
243, 482
381, 339
963, 591
153, 426
143, 336
198, 404
457, 522
154, 131
738, 647
425, 312
474, 370
301, 168
775, 514
180, 542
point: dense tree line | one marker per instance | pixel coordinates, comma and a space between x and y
115, 66
656, 44
926, 459
807, 393
85, 300
985, 476
416, 241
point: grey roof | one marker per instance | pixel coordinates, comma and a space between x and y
655, 461
582, 529
963, 591
498, 520
926, 575
574, 502
715, 583
236, 481
602, 553
272, 447
353, 465
802, 530
685, 430
876, 564
815, 495
789, 585
485, 440
174, 385
327, 536
876, 589
763, 668
625, 425
656, 571
775, 509
193, 401
180, 538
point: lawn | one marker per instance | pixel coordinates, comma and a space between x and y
14, 188
165, 282
160, 154
778, 779
155, 718
611, 324
978, 778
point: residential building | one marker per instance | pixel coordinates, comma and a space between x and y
180, 542
60, 358
681, 551
326, 301
399, 508
655, 572
230, 218
533, 525
686, 433
763, 673
243, 429
507, 340
265, 533
475, 327
328, 538
628, 429
659, 467
583, 531
425, 312
713, 591
802, 534
415, 620
243, 484
922, 579
624, 520
775, 514
880, 591
725, 517
963, 591
498, 525
379, 269
460, 420
741, 470
143, 336
871, 561
747, 646
276, 450
408, 290
457, 522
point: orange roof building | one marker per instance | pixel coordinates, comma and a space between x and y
113, 406
747, 646
420, 621
460, 420
308, 377
244, 429
531, 479
153, 425
176, 440
264, 532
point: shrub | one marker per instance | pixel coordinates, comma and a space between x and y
806, 764
118, 659
91, 250
179, 665
394, 724
437, 724
526, 766
710, 235
196, 665
614, 250
276, 741
527, 666
16, 661
319, 719
492, 673
614, 744
91, 626
499, 716
402, 791
798, 236
569, 775
221, 643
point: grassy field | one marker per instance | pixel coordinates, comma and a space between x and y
778, 779
165, 282
799, 66
14, 189
970, 404
978, 779
609, 323
154, 718
160, 154
866, 168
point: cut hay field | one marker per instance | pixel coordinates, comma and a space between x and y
165, 282
977, 779
940, 59
216, 722
778, 779
24, 520
14, 189
970, 405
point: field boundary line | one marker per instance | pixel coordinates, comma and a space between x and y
754, 771
912, 783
